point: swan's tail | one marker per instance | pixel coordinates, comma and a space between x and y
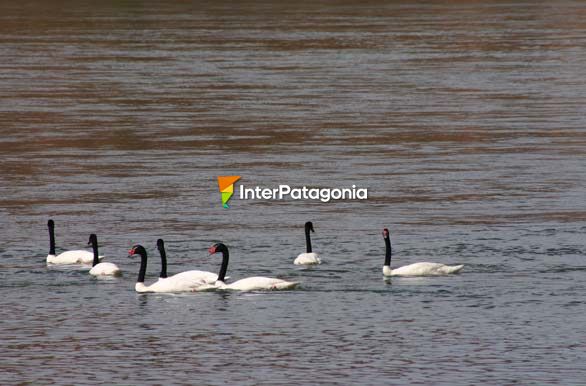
453, 268
285, 285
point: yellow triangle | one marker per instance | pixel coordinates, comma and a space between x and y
229, 189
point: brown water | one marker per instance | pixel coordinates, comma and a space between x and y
464, 119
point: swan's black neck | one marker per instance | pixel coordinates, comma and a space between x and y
225, 257
388, 251
143, 265
51, 238
161, 247
95, 248
307, 240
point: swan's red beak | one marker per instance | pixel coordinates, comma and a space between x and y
131, 252
212, 249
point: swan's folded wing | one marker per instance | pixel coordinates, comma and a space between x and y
195, 275
72, 257
260, 284
176, 284
105, 269
425, 269
307, 258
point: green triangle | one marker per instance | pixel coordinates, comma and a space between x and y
225, 197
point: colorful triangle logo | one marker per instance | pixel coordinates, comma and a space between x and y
226, 185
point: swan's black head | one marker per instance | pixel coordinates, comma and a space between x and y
386, 233
219, 247
160, 244
51, 224
309, 226
93, 239
137, 250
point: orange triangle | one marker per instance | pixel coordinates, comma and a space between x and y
226, 181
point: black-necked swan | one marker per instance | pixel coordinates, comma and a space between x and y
415, 269
249, 284
69, 257
169, 284
207, 277
308, 257
101, 269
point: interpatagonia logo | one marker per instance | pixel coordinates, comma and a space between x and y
285, 192
226, 185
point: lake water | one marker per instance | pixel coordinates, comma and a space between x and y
464, 119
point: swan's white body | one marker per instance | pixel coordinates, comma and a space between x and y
171, 284
307, 259
105, 269
195, 275
422, 269
72, 257
188, 281
256, 283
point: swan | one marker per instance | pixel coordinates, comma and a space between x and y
249, 284
415, 269
308, 257
206, 277
101, 269
70, 257
176, 283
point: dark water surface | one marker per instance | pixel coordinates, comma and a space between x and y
464, 119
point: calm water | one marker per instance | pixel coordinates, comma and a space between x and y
464, 119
